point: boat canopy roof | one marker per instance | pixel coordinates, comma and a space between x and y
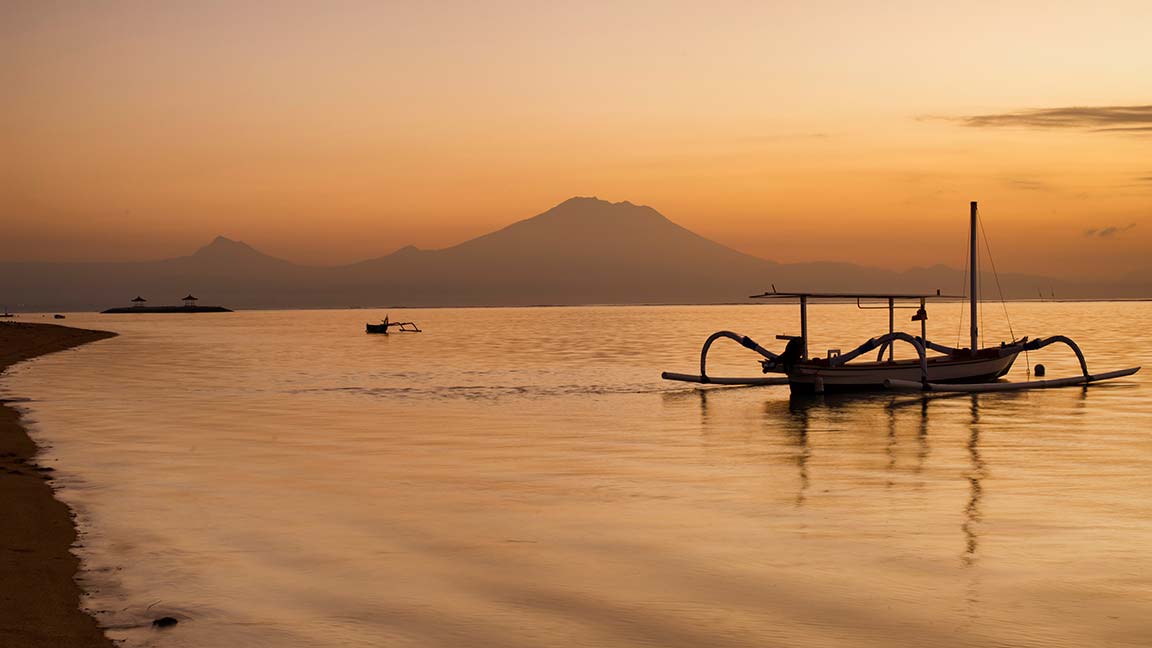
848, 295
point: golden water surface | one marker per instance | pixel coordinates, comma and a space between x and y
523, 478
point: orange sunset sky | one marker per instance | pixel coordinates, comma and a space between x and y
330, 132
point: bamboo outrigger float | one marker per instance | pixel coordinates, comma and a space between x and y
971, 369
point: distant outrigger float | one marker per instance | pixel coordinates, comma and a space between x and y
971, 369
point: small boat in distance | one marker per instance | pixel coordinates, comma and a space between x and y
971, 369
399, 327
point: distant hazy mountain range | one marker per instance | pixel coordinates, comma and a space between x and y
582, 251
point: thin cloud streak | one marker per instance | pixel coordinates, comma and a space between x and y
1027, 185
1123, 119
1128, 129
1110, 231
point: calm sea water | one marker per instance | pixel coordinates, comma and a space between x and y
522, 477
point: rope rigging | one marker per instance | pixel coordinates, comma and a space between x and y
999, 288
963, 293
995, 274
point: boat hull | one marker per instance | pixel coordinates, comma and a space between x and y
867, 376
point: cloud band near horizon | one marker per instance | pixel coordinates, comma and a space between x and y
1100, 119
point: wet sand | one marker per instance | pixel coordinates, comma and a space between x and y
39, 597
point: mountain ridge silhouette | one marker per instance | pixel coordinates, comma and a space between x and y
581, 251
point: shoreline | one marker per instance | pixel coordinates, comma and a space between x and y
39, 596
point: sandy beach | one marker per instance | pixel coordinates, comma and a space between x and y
39, 598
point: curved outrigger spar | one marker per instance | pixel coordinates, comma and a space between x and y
971, 369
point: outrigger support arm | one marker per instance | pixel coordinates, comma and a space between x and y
1043, 342
749, 343
744, 340
940, 348
885, 341
929, 345
1084, 379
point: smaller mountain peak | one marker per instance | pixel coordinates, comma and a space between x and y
407, 250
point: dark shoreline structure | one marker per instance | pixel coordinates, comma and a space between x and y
188, 307
167, 309
39, 597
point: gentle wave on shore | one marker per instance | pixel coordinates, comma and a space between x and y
39, 598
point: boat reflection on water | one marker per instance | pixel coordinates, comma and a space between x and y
799, 410
861, 451
972, 513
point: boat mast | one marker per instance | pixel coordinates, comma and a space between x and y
804, 325
972, 278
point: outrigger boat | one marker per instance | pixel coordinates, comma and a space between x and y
384, 325
971, 369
